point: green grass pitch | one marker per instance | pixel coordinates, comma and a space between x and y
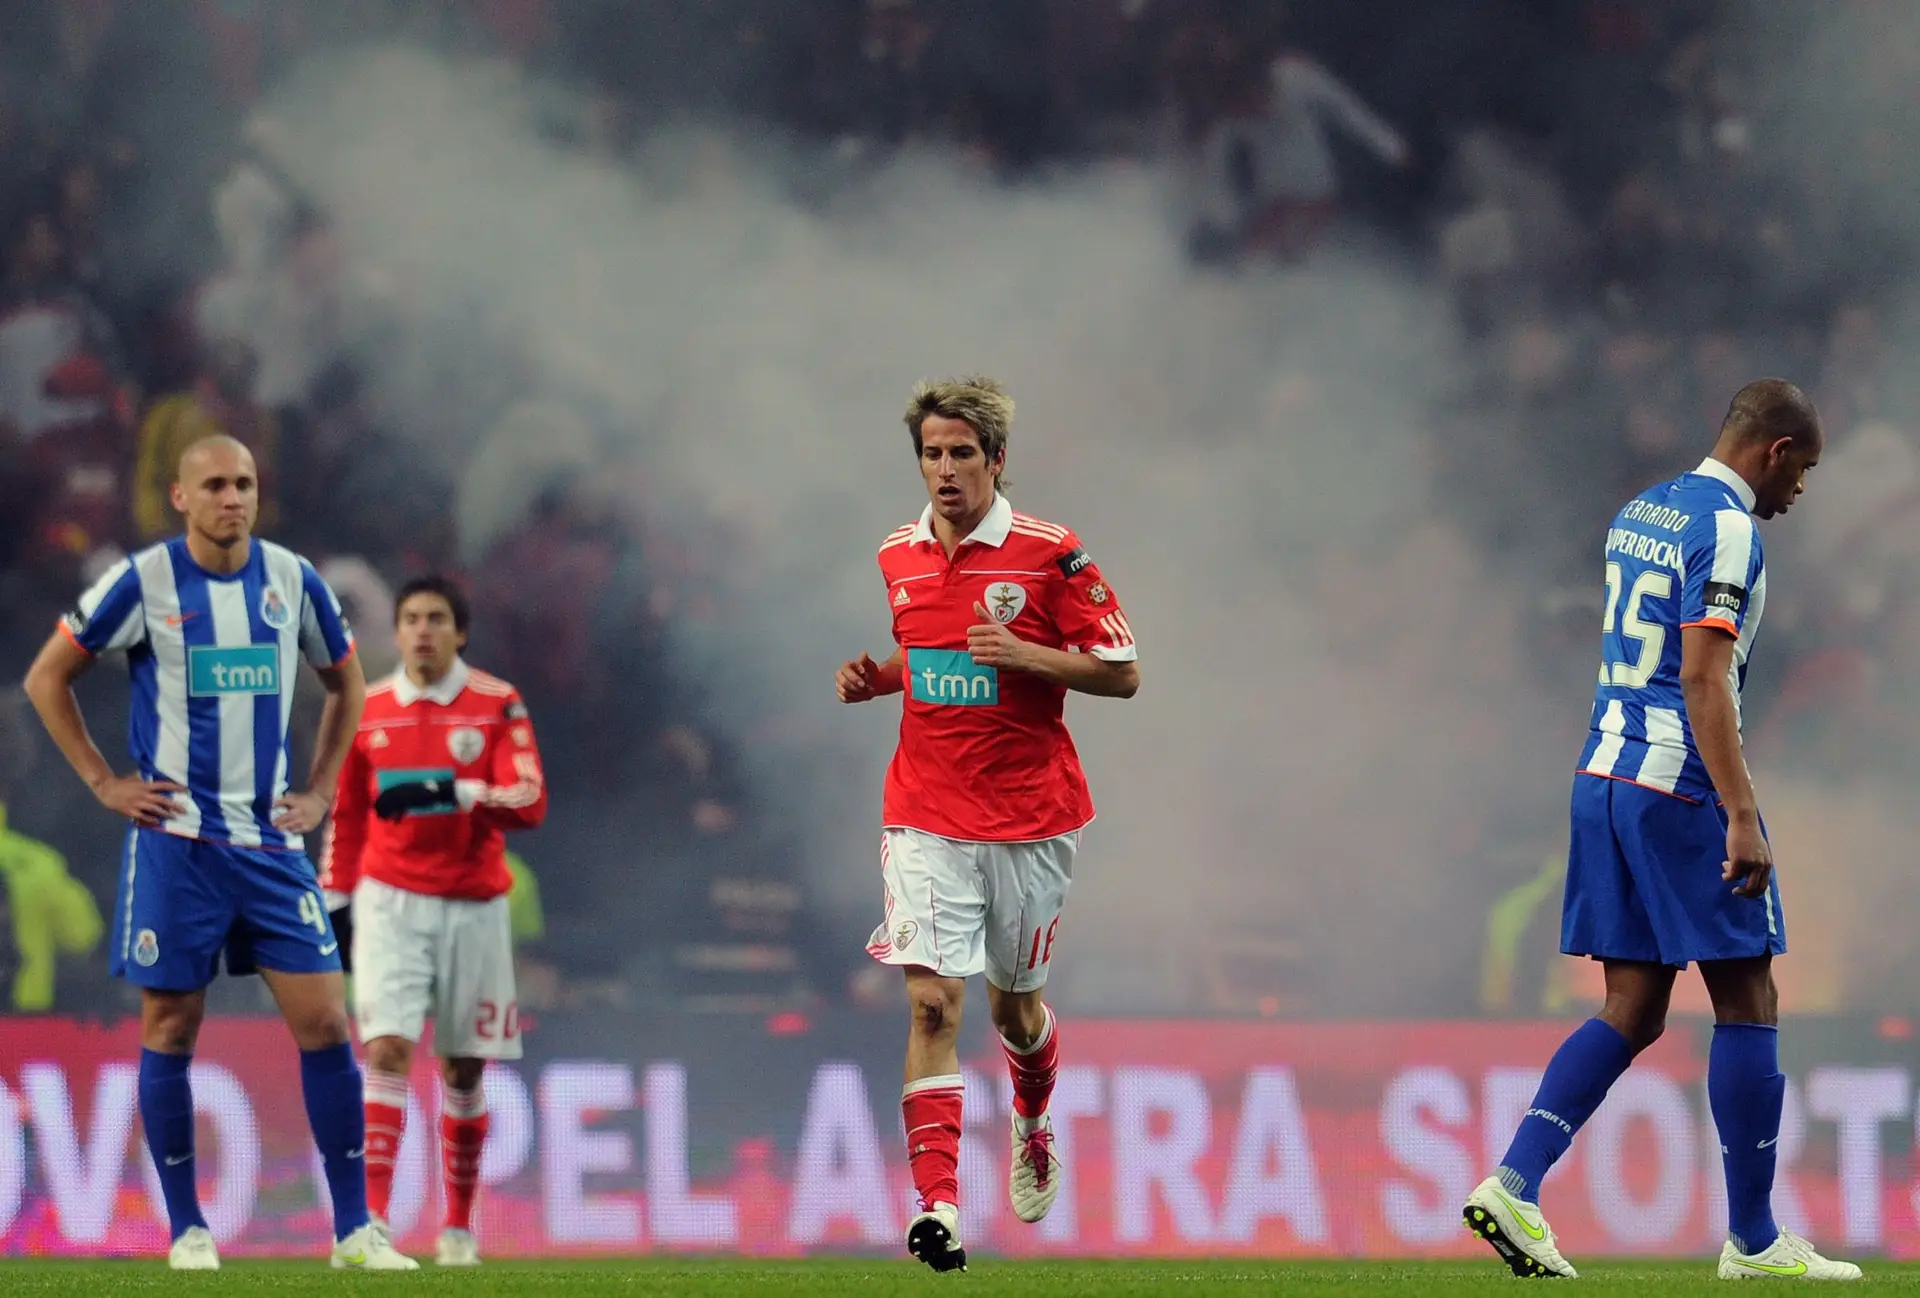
987, 1278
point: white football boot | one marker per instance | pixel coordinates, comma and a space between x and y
194, 1251
934, 1238
370, 1249
457, 1248
1516, 1231
1788, 1258
1033, 1173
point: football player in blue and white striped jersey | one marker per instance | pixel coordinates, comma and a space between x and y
213, 625
1669, 863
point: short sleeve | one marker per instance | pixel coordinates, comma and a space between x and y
110, 615
325, 638
1086, 609
1722, 556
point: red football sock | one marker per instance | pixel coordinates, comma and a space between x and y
1034, 1069
931, 1109
463, 1132
386, 1096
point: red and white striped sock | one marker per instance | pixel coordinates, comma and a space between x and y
930, 1108
1034, 1069
386, 1104
463, 1134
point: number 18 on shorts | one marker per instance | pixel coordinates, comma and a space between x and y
961, 908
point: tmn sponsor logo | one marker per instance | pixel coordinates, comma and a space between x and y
213, 670
950, 677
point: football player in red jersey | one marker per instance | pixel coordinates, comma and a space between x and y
997, 616
444, 763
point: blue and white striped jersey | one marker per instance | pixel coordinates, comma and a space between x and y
1685, 553
214, 660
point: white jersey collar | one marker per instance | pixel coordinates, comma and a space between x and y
993, 529
443, 691
1712, 468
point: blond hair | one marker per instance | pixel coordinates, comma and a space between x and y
975, 400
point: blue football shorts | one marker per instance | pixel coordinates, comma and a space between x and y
184, 903
1643, 881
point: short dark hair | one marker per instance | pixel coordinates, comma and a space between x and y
1767, 410
434, 584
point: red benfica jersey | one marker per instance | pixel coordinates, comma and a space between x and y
467, 728
984, 754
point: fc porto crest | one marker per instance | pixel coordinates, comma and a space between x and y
146, 949
466, 744
1005, 599
274, 610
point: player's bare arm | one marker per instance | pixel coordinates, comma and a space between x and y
1706, 666
993, 645
49, 685
346, 685
864, 679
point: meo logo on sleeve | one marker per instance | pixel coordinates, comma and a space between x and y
951, 677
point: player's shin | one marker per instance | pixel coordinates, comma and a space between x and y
1747, 1092
463, 1134
930, 1109
330, 1082
1578, 1077
386, 1116
166, 1112
1034, 1069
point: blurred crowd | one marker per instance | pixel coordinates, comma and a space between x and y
1604, 187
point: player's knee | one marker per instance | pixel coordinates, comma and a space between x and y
321, 1027
462, 1074
935, 1011
390, 1055
171, 1024
1020, 1020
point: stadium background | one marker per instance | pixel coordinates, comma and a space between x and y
1337, 330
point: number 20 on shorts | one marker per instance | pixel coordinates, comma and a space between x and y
490, 1023
1039, 954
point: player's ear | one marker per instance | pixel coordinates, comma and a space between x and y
178, 495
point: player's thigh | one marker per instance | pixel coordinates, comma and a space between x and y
935, 904
172, 913
1677, 850
1028, 885
1603, 913
396, 942
476, 1009
283, 923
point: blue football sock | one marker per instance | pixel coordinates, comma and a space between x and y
166, 1111
330, 1080
1746, 1091
1577, 1079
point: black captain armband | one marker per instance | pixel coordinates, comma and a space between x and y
1724, 597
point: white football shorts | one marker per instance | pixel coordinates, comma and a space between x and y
415, 955
961, 908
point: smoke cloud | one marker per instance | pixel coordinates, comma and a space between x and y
1333, 698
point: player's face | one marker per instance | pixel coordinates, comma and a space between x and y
219, 493
1787, 469
426, 636
960, 478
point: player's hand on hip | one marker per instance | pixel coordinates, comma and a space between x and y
145, 802
299, 813
855, 681
991, 644
1749, 859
